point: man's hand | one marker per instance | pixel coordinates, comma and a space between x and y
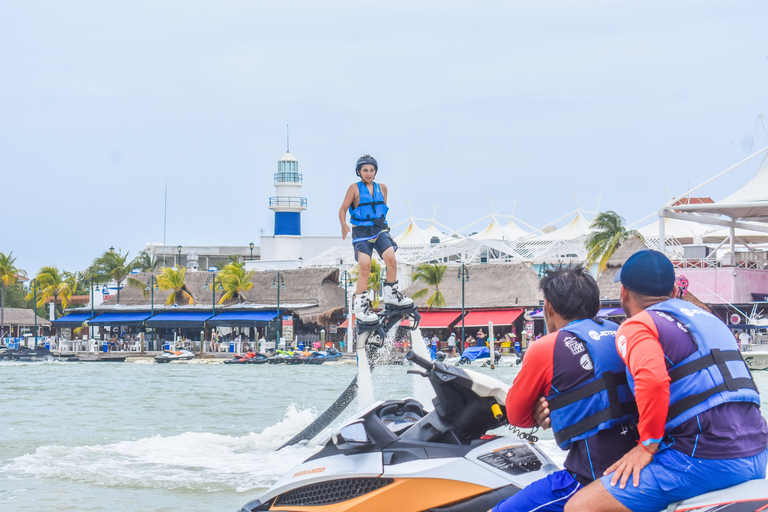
541, 413
344, 230
631, 464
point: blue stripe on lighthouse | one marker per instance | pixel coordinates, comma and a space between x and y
288, 223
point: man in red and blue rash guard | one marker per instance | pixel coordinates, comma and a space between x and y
572, 368
700, 424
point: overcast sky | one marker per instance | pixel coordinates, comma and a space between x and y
102, 103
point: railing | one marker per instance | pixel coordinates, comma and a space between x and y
288, 177
707, 263
290, 202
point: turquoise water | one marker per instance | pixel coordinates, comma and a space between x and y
192, 437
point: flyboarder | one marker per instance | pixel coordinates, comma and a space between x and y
366, 202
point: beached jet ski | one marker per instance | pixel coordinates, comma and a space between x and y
249, 358
394, 455
330, 354
24, 354
174, 355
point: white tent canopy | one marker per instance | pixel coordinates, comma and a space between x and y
495, 231
414, 235
578, 227
750, 202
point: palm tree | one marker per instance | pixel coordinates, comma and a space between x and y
59, 285
145, 263
235, 281
432, 275
111, 266
233, 260
173, 279
608, 233
9, 274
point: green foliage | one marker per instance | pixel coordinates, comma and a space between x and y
9, 275
111, 266
145, 263
54, 284
235, 281
608, 233
173, 279
430, 274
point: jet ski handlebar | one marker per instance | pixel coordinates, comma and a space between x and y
419, 361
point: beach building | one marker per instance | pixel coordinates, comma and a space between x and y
20, 322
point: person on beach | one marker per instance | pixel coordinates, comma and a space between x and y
568, 367
366, 202
481, 339
700, 424
452, 344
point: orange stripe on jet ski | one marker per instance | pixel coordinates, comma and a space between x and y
403, 495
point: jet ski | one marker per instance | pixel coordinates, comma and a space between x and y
25, 354
330, 354
249, 358
394, 455
174, 355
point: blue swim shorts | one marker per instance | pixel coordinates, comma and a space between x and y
381, 243
546, 495
674, 476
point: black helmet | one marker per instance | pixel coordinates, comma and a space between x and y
366, 159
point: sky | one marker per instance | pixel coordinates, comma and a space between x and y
535, 107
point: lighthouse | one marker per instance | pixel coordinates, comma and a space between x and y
287, 204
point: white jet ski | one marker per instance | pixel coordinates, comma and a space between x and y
174, 355
395, 456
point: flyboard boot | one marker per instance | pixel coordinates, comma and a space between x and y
397, 307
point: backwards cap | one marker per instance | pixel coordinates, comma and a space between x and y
649, 273
366, 159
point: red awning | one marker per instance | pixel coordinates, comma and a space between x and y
429, 319
481, 317
438, 319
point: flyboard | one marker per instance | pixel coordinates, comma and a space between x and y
371, 337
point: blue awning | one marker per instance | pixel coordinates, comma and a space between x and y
72, 319
179, 319
539, 313
243, 318
124, 318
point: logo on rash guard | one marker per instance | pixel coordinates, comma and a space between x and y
621, 344
574, 344
594, 335
586, 362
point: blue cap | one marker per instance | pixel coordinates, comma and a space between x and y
649, 273
366, 159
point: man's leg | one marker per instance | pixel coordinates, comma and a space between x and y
594, 498
550, 494
391, 263
363, 271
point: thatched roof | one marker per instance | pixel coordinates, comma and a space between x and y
21, 316
608, 289
307, 291
489, 285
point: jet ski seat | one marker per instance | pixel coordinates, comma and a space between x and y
399, 415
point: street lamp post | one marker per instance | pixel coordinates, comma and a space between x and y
463, 277
347, 278
178, 263
211, 279
151, 284
251, 246
34, 286
278, 282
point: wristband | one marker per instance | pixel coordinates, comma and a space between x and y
646, 448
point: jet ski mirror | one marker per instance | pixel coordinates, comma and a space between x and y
352, 437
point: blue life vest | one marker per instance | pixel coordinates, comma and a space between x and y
600, 403
370, 209
714, 374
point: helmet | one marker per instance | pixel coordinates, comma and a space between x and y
366, 159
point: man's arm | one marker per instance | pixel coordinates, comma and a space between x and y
532, 381
349, 198
383, 191
637, 341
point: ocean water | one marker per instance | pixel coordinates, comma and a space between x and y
150, 437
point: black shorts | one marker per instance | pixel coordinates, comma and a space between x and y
381, 243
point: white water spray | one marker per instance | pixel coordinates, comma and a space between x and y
422, 389
364, 381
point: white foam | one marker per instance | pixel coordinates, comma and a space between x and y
193, 460
422, 389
